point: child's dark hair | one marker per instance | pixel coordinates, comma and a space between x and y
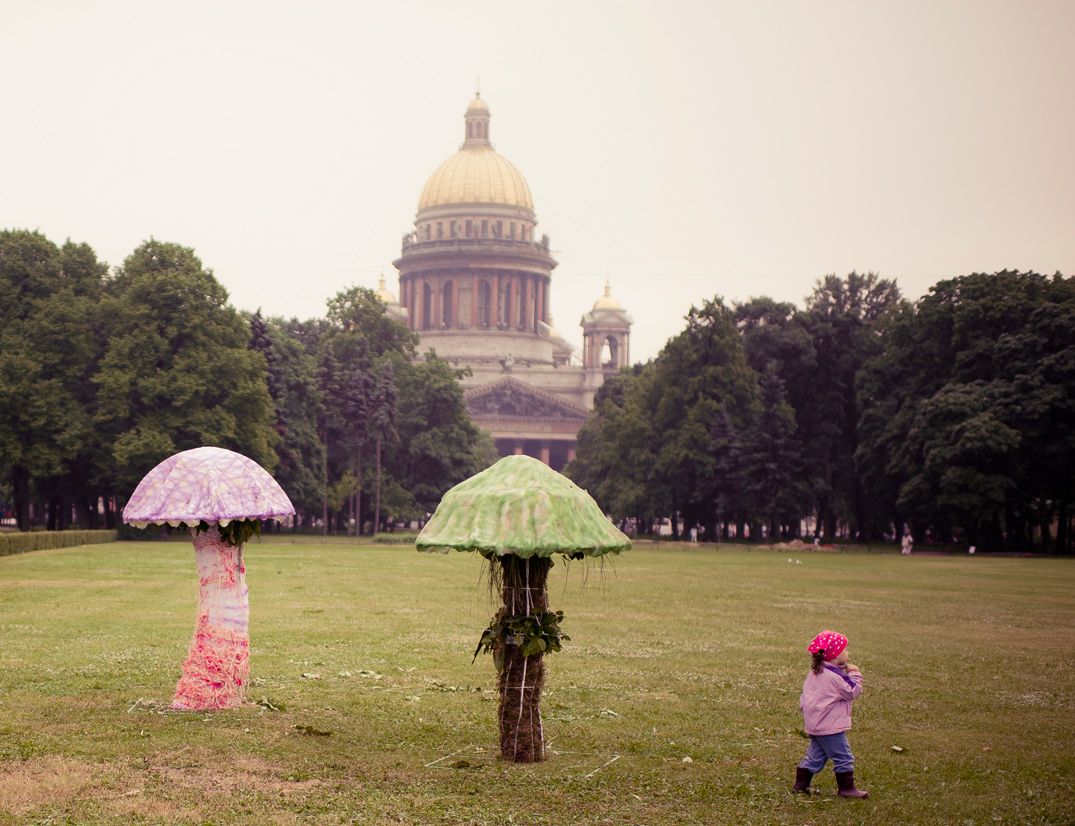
818, 664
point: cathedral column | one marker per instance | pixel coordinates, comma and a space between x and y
519, 447
455, 301
528, 291
539, 309
435, 316
509, 313
494, 301
571, 454
474, 303
520, 299
545, 453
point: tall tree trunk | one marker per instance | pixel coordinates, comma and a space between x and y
523, 588
1046, 530
52, 514
324, 486
217, 669
85, 517
358, 493
1062, 527
20, 492
377, 507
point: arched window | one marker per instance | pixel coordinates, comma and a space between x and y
470, 129
447, 319
609, 354
484, 300
427, 306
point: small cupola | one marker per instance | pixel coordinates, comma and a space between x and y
477, 122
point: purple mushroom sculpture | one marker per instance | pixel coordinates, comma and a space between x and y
219, 496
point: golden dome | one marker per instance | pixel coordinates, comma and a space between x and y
476, 174
607, 302
478, 103
385, 294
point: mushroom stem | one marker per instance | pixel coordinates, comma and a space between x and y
217, 669
522, 740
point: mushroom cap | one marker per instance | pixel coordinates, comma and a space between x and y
520, 506
208, 484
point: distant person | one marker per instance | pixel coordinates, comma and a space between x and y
907, 543
828, 692
694, 534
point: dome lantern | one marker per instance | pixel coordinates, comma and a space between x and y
477, 122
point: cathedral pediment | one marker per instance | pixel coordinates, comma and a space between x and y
510, 398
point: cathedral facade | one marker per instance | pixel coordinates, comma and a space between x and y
475, 281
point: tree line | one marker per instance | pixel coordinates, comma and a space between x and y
857, 415
103, 375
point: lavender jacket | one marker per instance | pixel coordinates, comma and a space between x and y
826, 700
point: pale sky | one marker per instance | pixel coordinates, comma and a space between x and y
681, 149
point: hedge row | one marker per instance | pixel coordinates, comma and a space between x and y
17, 543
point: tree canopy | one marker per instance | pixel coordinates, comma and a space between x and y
854, 415
104, 375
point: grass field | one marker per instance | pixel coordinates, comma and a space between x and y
674, 703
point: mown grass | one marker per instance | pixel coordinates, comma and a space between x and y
675, 702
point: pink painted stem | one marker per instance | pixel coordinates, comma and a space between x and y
217, 669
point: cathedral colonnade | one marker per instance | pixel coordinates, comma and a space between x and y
465, 300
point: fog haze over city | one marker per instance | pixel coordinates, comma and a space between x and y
679, 150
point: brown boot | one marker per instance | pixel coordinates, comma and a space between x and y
802, 781
846, 782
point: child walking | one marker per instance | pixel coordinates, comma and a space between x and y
831, 686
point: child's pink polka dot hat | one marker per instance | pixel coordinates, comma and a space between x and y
829, 643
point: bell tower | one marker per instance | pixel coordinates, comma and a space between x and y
606, 337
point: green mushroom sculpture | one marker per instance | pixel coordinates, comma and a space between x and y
517, 514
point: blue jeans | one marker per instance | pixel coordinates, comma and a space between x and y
825, 747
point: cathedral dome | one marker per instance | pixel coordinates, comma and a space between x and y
478, 104
476, 174
607, 302
385, 294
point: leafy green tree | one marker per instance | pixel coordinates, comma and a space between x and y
383, 419
698, 371
358, 338
970, 410
1039, 390
439, 446
841, 318
721, 484
966, 454
616, 453
177, 372
772, 472
290, 351
776, 333
49, 348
